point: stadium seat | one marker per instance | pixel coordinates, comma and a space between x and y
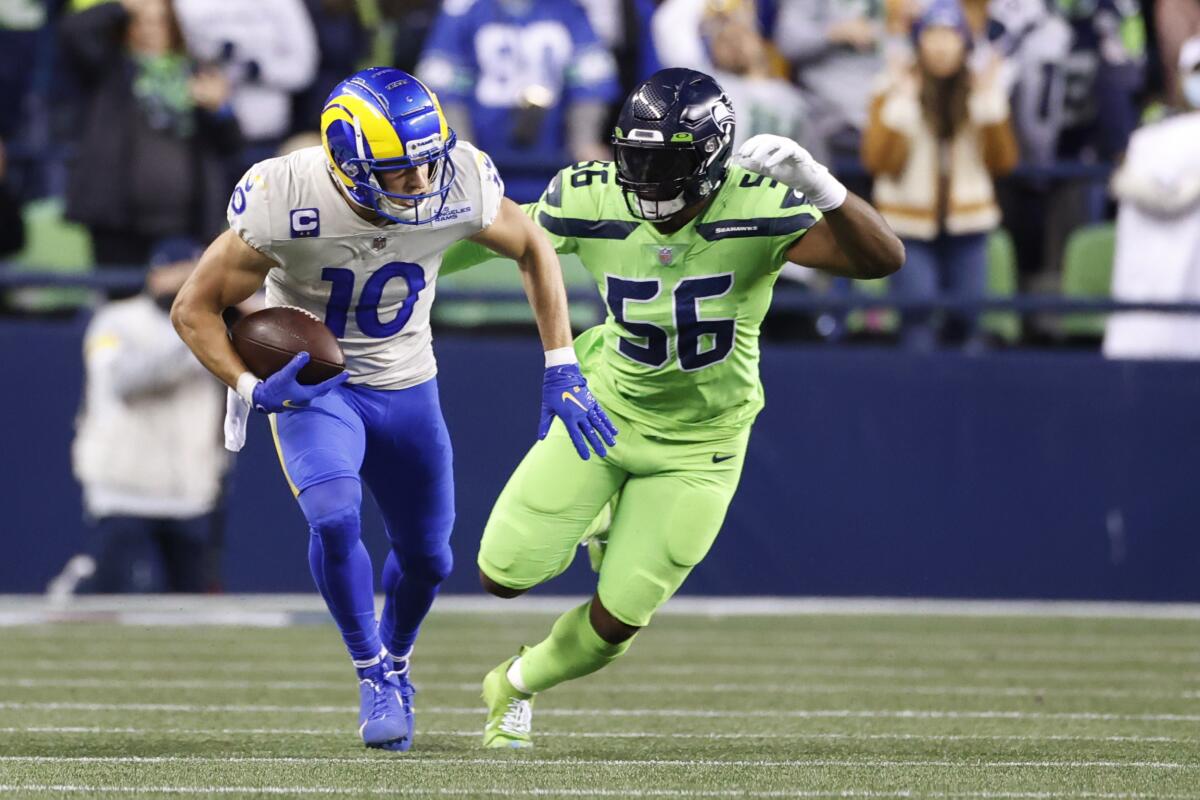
502, 276
53, 245
1001, 283
1087, 275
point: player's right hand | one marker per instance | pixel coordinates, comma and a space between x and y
282, 391
565, 395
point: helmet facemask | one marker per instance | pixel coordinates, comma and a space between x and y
406, 209
660, 180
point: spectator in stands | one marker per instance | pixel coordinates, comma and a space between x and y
938, 134
624, 27
149, 164
761, 103
267, 50
342, 41
837, 47
525, 80
1157, 255
402, 29
1176, 21
148, 450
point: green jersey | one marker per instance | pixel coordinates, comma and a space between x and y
678, 352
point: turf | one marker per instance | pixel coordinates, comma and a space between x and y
802, 706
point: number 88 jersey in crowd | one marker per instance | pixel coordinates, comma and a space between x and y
678, 352
371, 283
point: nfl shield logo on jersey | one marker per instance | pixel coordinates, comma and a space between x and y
665, 256
378, 243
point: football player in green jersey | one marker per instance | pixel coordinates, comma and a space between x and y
685, 248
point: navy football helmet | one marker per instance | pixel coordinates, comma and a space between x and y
673, 141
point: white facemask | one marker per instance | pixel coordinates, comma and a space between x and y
660, 209
1191, 89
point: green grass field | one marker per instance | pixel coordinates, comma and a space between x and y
781, 706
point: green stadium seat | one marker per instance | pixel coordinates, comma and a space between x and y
502, 275
52, 244
1001, 283
1087, 275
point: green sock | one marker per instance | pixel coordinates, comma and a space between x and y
573, 649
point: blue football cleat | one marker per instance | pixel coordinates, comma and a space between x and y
383, 721
407, 690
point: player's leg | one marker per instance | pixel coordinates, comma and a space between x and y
542, 515
664, 525
321, 449
409, 468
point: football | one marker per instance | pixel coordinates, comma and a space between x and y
268, 339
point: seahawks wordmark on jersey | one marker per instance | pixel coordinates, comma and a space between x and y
372, 284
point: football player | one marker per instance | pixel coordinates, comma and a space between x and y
353, 232
685, 247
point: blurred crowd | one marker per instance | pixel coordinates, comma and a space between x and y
1017, 146
987, 131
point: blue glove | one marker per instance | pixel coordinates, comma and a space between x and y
282, 391
565, 395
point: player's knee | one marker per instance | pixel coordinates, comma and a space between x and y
430, 568
498, 589
607, 626
332, 509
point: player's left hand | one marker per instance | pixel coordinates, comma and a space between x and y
565, 395
783, 160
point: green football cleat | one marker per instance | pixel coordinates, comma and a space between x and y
510, 712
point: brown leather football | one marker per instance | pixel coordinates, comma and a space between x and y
268, 339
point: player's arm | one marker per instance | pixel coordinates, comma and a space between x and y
229, 272
514, 235
851, 239
564, 390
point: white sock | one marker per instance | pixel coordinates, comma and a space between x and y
514, 677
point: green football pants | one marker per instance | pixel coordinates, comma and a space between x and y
672, 501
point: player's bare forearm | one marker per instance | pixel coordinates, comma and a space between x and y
513, 235
229, 272
851, 241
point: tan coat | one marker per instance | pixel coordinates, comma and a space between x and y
901, 150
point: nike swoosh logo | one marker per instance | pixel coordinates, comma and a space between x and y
717, 458
289, 404
573, 399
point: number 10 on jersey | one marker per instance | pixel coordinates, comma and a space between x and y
366, 313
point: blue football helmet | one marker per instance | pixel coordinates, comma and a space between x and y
382, 119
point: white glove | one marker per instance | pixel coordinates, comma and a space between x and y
781, 159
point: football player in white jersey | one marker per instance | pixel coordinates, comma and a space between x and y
353, 232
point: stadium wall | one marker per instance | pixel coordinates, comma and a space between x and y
871, 472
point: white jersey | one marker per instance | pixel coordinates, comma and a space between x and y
372, 284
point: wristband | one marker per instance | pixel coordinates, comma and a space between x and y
247, 382
560, 356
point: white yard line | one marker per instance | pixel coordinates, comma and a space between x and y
831, 713
474, 733
1075, 676
522, 762
155, 608
215, 652
797, 688
359, 791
